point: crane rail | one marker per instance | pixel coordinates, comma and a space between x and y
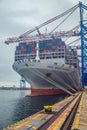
45, 120
68, 119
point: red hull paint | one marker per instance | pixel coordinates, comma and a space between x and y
42, 92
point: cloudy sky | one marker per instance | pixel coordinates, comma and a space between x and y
17, 17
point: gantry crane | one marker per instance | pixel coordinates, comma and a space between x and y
83, 26
26, 36
73, 32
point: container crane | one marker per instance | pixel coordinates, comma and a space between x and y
26, 36
73, 32
83, 26
22, 83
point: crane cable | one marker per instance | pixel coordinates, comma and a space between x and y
63, 21
73, 41
49, 21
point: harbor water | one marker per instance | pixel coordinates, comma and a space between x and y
15, 106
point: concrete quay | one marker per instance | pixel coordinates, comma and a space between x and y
55, 119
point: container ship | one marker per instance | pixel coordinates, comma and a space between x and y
48, 65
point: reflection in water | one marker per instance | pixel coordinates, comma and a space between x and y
23, 93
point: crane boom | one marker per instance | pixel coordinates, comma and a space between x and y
25, 36
50, 21
61, 34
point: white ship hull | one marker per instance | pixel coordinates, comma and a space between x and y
48, 76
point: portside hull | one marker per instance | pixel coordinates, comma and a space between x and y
48, 78
45, 92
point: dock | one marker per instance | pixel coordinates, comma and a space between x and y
68, 114
80, 121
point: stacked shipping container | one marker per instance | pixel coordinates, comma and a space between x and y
71, 56
45, 46
49, 48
